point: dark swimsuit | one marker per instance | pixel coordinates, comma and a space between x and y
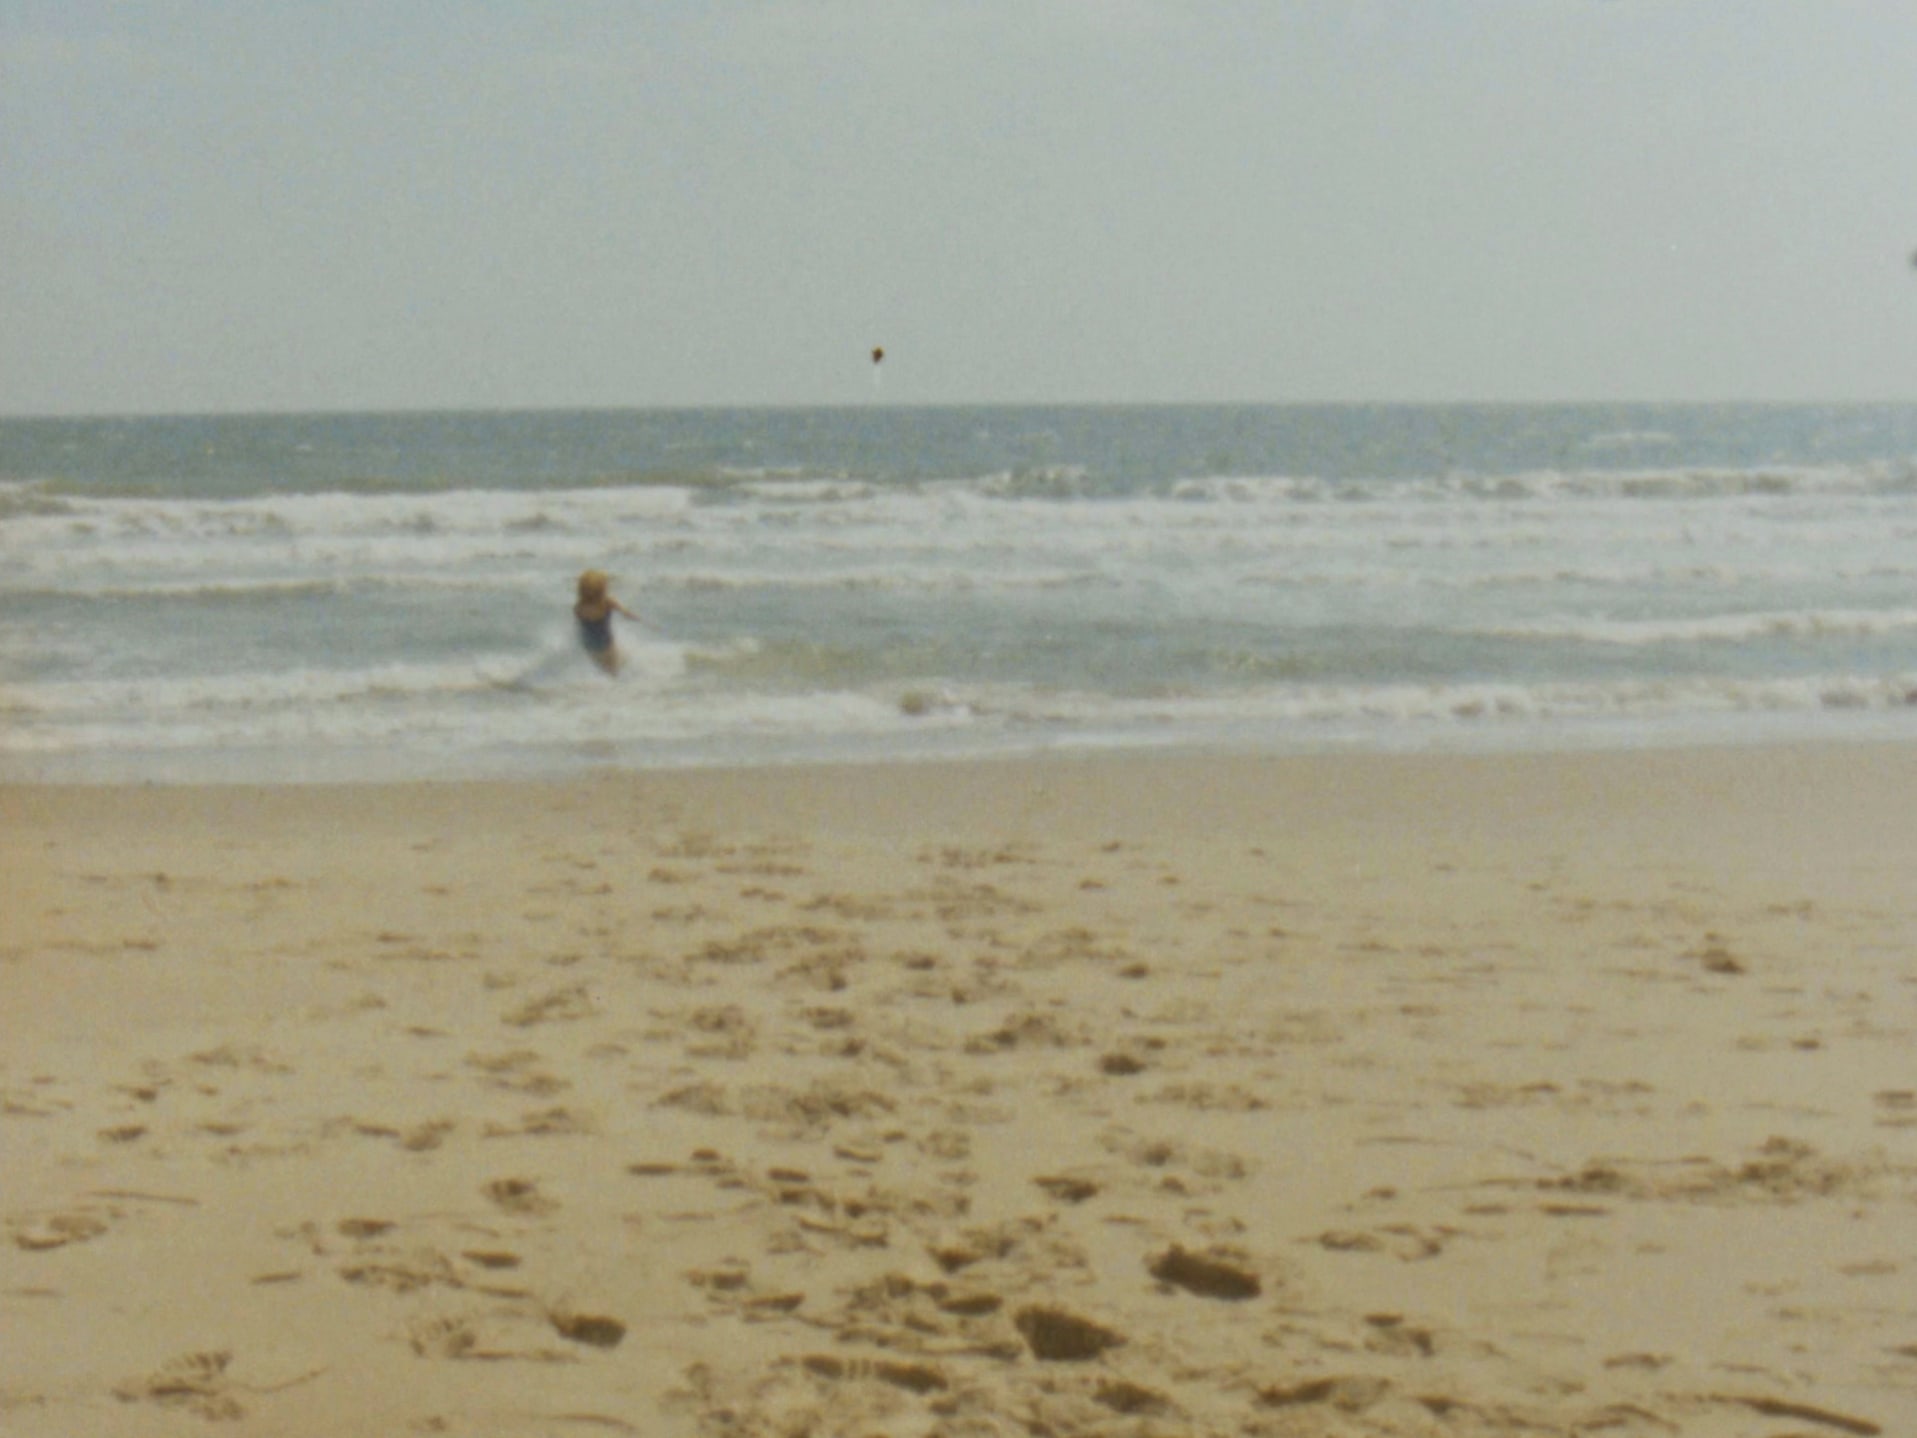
596, 634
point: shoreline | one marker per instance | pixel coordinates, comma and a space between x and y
1859, 771
1206, 1094
298, 767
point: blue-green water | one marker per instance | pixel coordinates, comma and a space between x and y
329, 595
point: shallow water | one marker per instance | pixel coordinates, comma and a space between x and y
327, 596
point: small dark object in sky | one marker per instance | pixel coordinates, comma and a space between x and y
878, 351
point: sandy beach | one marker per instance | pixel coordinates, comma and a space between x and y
1461, 1095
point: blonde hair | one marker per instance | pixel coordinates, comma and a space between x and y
592, 585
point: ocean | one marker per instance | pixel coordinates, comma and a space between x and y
353, 596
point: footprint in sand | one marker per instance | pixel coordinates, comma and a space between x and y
1351, 1394
1029, 1031
1715, 956
519, 1195
517, 1072
594, 1330
1066, 1189
1132, 1399
562, 1005
913, 1377
441, 1337
954, 1252
1391, 1335
196, 1382
402, 1272
1056, 1336
1208, 1276
40, 1233
542, 1123
1897, 1108
1404, 1241
720, 1031
491, 1258
420, 1138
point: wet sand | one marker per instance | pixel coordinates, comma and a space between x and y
1562, 1094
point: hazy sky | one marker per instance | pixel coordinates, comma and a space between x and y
292, 206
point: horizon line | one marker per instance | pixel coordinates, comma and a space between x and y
766, 406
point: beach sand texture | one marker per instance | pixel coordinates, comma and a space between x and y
1512, 1094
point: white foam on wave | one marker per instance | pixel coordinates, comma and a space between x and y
1649, 483
1278, 710
554, 701
799, 530
555, 663
1717, 628
1629, 439
811, 491
656, 711
342, 515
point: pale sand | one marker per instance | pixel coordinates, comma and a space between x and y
1436, 1096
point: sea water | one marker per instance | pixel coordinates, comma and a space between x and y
338, 596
